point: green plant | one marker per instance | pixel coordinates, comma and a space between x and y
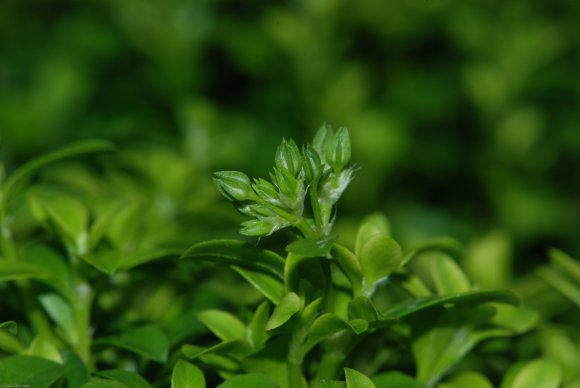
326, 302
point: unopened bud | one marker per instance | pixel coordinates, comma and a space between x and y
288, 157
234, 185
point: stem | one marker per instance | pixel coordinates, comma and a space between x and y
81, 305
329, 366
316, 206
298, 222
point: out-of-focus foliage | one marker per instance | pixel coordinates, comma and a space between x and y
463, 114
463, 118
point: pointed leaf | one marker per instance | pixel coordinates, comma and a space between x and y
363, 308
14, 270
149, 341
571, 266
192, 352
225, 326
257, 335
70, 217
312, 247
186, 375
289, 305
239, 253
61, 313
473, 297
131, 379
271, 287
29, 371
327, 325
567, 288
44, 346
448, 277
355, 379
24, 171
252, 380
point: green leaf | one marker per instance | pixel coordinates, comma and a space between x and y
440, 244
379, 257
560, 347
252, 380
563, 285
44, 346
289, 305
148, 341
312, 247
373, 224
76, 373
61, 313
327, 325
271, 287
355, 379
8, 340
54, 264
467, 380
300, 270
10, 327
15, 270
186, 375
441, 338
102, 383
542, 372
473, 297
257, 335
349, 264
397, 380
225, 326
192, 352
131, 379
29, 371
517, 318
69, 216
363, 308
26, 170
448, 277
239, 253
488, 261
571, 266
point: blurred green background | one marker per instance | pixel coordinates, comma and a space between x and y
463, 115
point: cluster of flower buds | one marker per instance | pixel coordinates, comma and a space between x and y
321, 170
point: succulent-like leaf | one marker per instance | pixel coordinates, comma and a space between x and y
187, 375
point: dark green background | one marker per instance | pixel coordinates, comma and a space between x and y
463, 114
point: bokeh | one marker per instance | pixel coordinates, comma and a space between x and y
463, 115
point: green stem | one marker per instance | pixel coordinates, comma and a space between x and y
295, 377
81, 304
298, 222
329, 366
316, 207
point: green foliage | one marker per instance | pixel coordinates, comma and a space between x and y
100, 298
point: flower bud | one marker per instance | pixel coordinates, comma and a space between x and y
341, 152
312, 164
288, 157
266, 191
321, 138
234, 185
